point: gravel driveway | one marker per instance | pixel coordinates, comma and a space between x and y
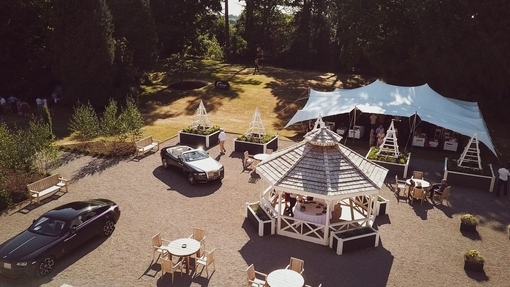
421, 245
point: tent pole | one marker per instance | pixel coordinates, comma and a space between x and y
353, 126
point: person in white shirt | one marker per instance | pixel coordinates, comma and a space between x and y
2, 105
503, 180
39, 104
221, 140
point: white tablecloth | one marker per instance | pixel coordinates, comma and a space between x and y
313, 212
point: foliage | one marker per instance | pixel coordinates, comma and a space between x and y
109, 122
468, 219
131, 120
402, 158
5, 199
200, 130
84, 122
102, 149
46, 116
452, 166
255, 138
259, 211
473, 256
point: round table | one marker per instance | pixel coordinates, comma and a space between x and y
183, 247
313, 212
285, 278
424, 184
261, 156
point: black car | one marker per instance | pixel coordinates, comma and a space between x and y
195, 163
58, 231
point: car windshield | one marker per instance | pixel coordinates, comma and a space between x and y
194, 155
48, 226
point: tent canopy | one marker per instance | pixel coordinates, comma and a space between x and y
381, 98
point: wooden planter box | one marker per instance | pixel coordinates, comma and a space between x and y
477, 181
467, 227
264, 224
255, 148
354, 239
394, 168
473, 266
381, 206
196, 140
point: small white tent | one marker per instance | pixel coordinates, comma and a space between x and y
381, 98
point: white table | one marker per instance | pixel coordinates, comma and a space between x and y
183, 247
261, 156
312, 213
285, 278
424, 184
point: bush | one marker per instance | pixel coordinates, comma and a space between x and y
402, 158
5, 199
256, 138
201, 130
452, 165
468, 219
473, 256
84, 122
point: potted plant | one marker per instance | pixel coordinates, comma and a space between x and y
380, 206
468, 223
354, 239
256, 140
483, 179
398, 165
264, 223
200, 132
473, 260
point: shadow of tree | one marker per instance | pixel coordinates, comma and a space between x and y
96, 165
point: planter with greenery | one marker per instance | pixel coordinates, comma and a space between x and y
264, 223
468, 223
397, 166
199, 136
470, 177
380, 206
354, 239
473, 261
255, 144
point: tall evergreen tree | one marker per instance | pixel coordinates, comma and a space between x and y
85, 50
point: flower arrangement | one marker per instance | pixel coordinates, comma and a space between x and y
468, 219
256, 138
473, 256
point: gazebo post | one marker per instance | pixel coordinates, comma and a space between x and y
352, 208
328, 210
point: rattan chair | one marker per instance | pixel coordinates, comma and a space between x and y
297, 265
251, 277
167, 266
205, 260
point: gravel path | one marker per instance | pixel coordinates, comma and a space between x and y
421, 245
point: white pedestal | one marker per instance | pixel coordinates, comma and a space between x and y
357, 132
451, 146
418, 141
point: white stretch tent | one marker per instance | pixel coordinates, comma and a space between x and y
381, 98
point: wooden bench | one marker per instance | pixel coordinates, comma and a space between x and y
145, 145
46, 187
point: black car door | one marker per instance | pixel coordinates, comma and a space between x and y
80, 230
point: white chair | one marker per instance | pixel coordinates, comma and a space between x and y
205, 260
297, 265
167, 266
157, 244
251, 277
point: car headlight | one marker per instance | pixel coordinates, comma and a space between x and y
200, 173
22, 264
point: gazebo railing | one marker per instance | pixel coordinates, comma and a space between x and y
268, 207
299, 229
345, 225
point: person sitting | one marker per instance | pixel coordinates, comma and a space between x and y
438, 188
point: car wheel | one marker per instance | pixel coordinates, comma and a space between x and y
164, 163
191, 179
108, 228
45, 266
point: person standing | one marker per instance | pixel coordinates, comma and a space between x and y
373, 121
39, 103
503, 180
2, 105
221, 140
256, 66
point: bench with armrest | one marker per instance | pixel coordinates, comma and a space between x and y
145, 145
46, 187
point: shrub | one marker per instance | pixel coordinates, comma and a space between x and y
452, 165
84, 122
402, 158
473, 256
131, 120
5, 199
255, 138
468, 219
201, 130
109, 122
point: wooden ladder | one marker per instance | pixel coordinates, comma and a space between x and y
389, 146
471, 153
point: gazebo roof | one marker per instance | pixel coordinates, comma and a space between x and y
321, 165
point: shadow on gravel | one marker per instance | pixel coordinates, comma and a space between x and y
177, 181
374, 261
96, 165
471, 235
32, 206
478, 276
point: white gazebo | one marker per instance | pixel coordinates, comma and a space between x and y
338, 178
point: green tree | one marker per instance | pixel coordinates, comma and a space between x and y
84, 122
131, 120
85, 50
109, 122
